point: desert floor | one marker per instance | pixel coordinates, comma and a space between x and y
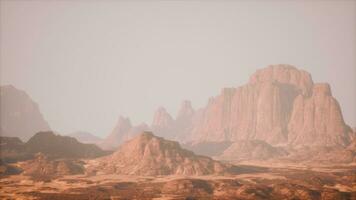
257, 180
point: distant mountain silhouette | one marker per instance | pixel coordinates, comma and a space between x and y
20, 115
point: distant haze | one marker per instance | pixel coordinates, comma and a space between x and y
87, 62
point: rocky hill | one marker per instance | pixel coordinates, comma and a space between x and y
57, 146
12, 149
20, 115
42, 168
147, 154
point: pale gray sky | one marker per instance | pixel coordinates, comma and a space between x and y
87, 62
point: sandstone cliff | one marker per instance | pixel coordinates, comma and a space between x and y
279, 105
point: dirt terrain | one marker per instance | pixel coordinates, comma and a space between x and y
253, 182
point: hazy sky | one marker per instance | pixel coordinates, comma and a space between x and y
87, 62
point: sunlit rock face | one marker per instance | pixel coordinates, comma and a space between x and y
279, 105
20, 115
317, 120
147, 154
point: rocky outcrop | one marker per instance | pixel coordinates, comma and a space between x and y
115, 138
12, 149
184, 121
20, 115
147, 154
42, 168
57, 146
279, 105
122, 132
317, 120
252, 150
163, 124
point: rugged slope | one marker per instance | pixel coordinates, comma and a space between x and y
57, 146
147, 154
20, 115
43, 168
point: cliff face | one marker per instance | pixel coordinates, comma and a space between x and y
279, 105
317, 120
19, 114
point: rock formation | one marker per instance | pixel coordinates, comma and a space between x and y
57, 146
147, 154
122, 132
20, 115
317, 120
12, 149
163, 124
184, 121
43, 168
279, 105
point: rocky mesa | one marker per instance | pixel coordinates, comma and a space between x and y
147, 154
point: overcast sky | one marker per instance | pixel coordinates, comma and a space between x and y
87, 62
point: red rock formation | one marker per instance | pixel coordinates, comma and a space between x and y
20, 115
117, 135
162, 118
184, 121
43, 168
147, 154
163, 124
317, 120
279, 105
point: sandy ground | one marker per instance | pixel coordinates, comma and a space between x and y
20, 186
